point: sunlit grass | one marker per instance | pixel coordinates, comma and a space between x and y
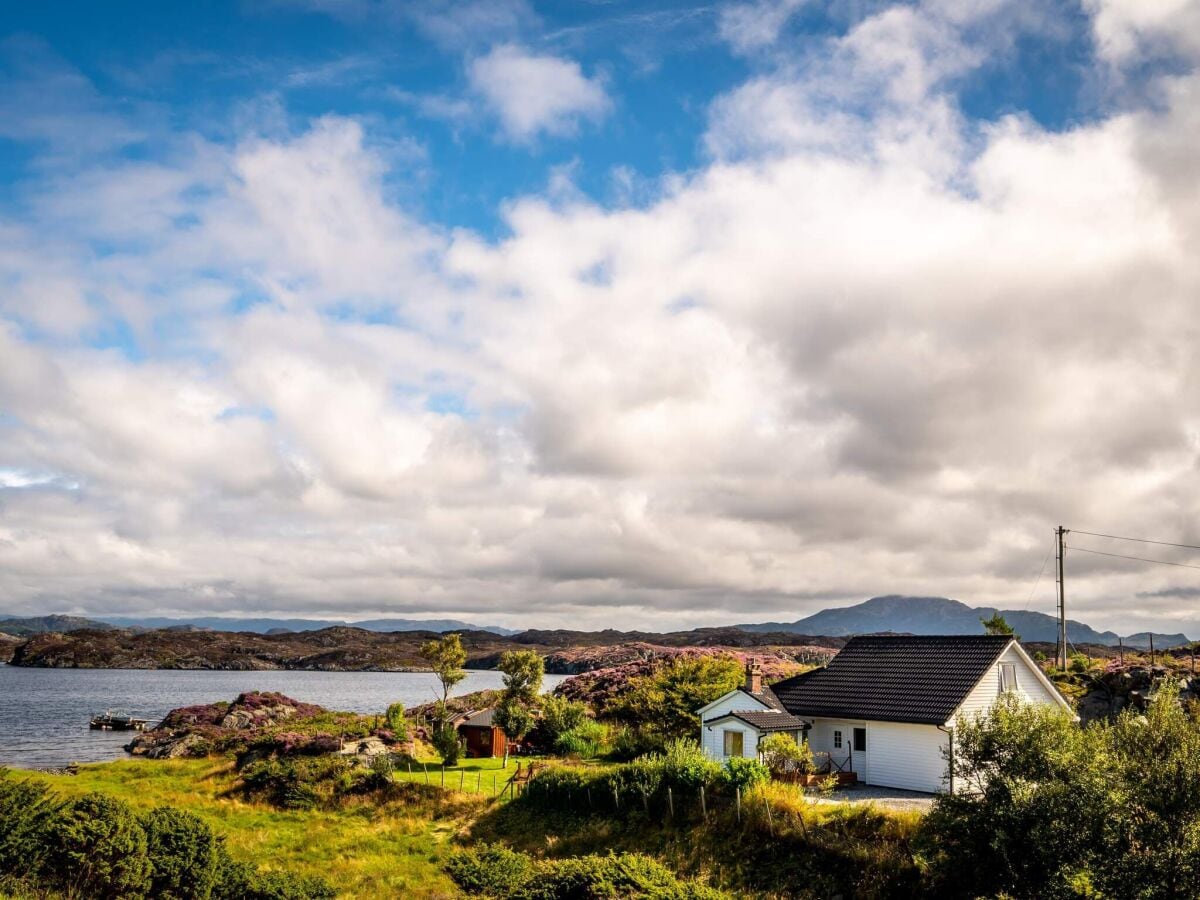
364, 849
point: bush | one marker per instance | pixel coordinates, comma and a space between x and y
100, 849
782, 754
741, 772
495, 872
242, 881
306, 781
396, 722
629, 743
27, 812
490, 870
183, 855
685, 765
559, 716
446, 743
584, 740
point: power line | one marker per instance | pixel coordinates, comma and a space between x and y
1161, 562
1117, 537
1041, 572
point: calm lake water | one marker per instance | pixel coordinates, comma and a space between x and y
44, 713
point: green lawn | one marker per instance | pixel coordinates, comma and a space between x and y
364, 849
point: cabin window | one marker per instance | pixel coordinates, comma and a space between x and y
837, 739
1008, 677
860, 740
733, 743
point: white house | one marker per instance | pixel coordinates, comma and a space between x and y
884, 707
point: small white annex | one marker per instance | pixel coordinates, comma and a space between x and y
884, 708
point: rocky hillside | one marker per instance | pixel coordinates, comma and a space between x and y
354, 649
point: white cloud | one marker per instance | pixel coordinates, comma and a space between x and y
868, 348
1125, 28
536, 94
752, 26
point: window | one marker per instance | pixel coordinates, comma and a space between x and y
733, 743
860, 740
837, 739
1008, 677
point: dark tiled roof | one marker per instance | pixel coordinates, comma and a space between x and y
768, 697
894, 678
764, 720
481, 719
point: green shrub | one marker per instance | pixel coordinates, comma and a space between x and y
397, 723
559, 716
100, 849
684, 765
741, 772
183, 855
584, 740
447, 745
612, 877
628, 743
27, 812
242, 881
490, 870
781, 753
495, 872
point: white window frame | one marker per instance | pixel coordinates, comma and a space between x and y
1008, 677
727, 739
837, 739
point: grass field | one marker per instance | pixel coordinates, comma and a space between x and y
365, 849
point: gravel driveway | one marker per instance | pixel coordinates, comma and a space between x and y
890, 798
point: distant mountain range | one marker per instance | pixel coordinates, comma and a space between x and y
941, 615
55, 623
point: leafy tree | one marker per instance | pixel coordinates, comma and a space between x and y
1035, 810
183, 855
396, 722
523, 671
514, 718
997, 624
446, 657
666, 702
1156, 766
100, 849
743, 772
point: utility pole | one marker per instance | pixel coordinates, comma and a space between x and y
1061, 654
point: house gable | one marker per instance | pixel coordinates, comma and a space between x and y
1032, 685
736, 700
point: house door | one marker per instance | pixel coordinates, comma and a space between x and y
841, 739
858, 750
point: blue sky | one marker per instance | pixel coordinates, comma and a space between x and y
671, 314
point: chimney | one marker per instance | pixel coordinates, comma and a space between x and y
753, 676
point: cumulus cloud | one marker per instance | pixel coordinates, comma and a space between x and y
535, 94
869, 347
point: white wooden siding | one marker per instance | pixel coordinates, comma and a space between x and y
1029, 686
713, 739
906, 756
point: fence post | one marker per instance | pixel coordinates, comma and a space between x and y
645, 801
671, 802
443, 774
462, 774
616, 798
426, 768
589, 796
478, 780
770, 822
494, 791
738, 799
703, 805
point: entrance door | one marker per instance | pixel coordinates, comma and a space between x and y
858, 749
